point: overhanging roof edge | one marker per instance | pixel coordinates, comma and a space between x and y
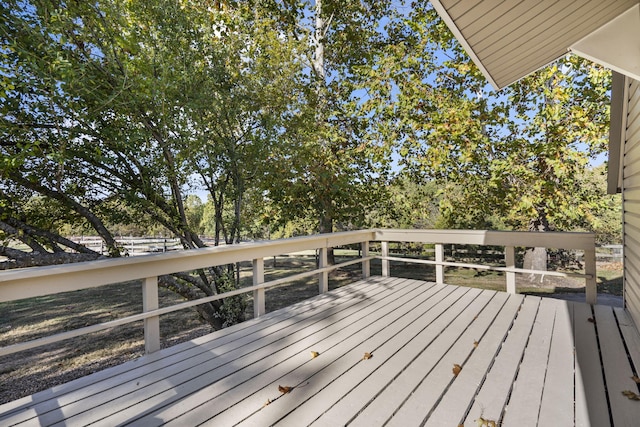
442, 11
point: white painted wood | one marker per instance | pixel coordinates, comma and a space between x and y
492, 396
454, 404
339, 347
616, 368
631, 192
151, 324
421, 403
389, 360
258, 294
30, 282
169, 356
384, 248
347, 370
508, 40
366, 265
590, 400
420, 363
630, 335
414, 331
615, 45
510, 263
323, 276
217, 352
558, 392
524, 403
439, 260
490, 237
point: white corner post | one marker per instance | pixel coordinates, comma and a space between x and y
366, 265
510, 262
439, 265
323, 276
384, 248
258, 294
151, 324
591, 287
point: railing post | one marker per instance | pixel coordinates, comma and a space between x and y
258, 294
384, 248
439, 266
591, 287
151, 324
510, 262
366, 265
323, 277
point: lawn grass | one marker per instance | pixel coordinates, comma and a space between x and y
31, 371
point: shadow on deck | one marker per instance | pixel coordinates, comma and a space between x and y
440, 355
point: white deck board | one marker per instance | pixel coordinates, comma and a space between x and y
558, 391
531, 354
616, 369
492, 397
591, 399
456, 401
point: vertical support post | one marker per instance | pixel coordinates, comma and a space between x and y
439, 266
323, 277
366, 265
258, 294
151, 324
510, 262
590, 269
384, 247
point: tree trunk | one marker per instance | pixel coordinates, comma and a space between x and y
536, 258
326, 213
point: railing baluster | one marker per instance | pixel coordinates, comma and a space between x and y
510, 262
366, 265
258, 294
323, 277
384, 248
439, 267
151, 324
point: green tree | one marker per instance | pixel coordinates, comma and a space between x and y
331, 160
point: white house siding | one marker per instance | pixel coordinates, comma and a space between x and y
631, 201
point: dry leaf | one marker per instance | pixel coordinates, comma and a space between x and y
475, 344
456, 369
591, 319
367, 356
636, 379
284, 389
314, 354
267, 403
485, 423
631, 395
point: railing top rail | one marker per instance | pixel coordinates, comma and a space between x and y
559, 240
38, 281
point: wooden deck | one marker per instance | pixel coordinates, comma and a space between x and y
524, 361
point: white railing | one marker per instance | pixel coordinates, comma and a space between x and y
32, 282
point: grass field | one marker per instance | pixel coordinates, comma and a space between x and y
30, 371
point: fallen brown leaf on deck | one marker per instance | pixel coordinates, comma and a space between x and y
314, 354
475, 344
636, 379
284, 389
485, 423
456, 369
631, 395
267, 403
367, 356
591, 319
